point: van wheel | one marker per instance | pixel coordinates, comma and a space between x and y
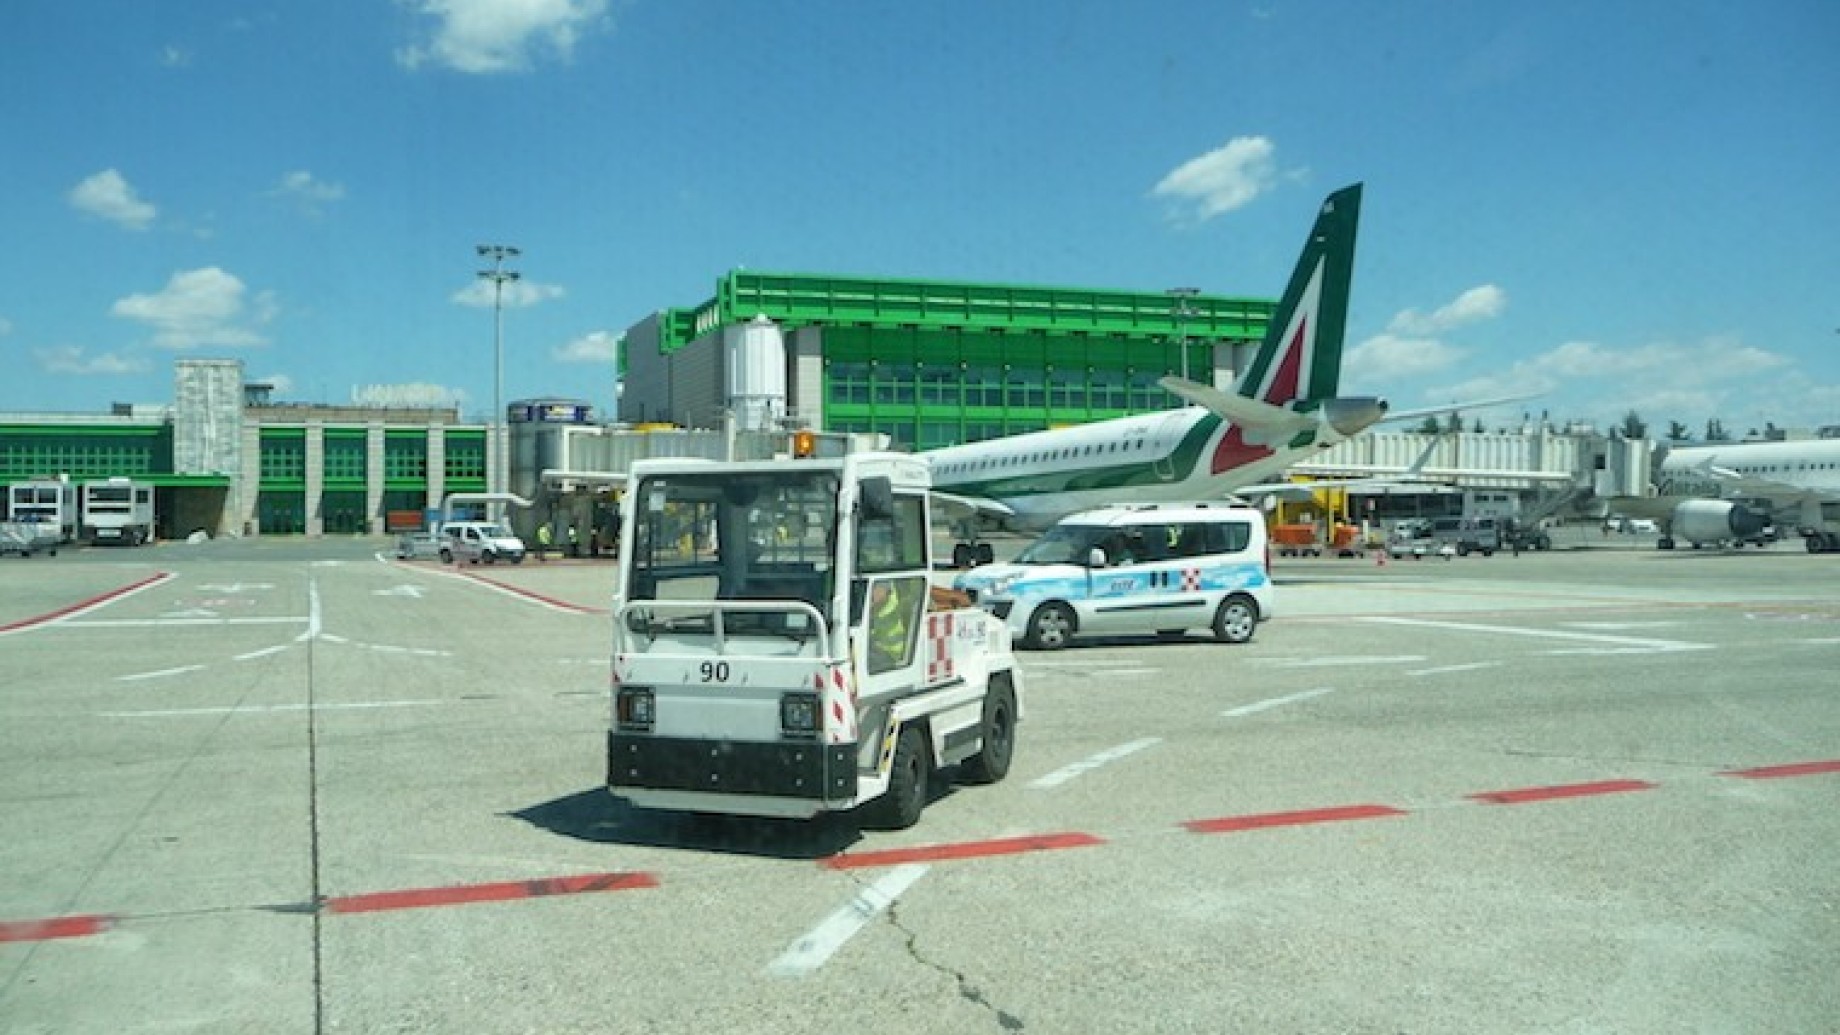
447, 556
1050, 627
998, 732
490, 557
907, 782
1236, 619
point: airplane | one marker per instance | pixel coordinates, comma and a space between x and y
1282, 409
1735, 493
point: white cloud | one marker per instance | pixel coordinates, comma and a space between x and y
70, 359
6, 326
486, 36
1660, 381
108, 195
1413, 344
282, 384
202, 307
1222, 180
172, 56
1472, 306
596, 347
414, 393
519, 294
1385, 357
310, 194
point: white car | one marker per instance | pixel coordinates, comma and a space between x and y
1134, 570
480, 542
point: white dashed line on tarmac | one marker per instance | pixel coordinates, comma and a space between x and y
1646, 643
814, 949
1087, 765
160, 674
1274, 702
264, 709
1334, 661
1442, 669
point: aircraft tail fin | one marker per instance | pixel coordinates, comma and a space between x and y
1300, 359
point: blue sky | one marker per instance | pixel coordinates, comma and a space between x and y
1627, 206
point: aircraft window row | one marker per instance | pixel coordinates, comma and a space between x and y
1802, 466
1048, 456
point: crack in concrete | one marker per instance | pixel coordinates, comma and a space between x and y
966, 990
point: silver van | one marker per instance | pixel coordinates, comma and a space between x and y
480, 542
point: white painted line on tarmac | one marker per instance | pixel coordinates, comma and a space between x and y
132, 623
313, 613
1619, 626
1351, 660
1442, 669
263, 653
161, 674
1090, 665
815, 948
264, 709
1551, 634
1087, 765
1274, 702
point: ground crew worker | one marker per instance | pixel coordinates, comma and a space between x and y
543, 541
574, 541
887, 628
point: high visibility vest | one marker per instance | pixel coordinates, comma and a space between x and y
888, 628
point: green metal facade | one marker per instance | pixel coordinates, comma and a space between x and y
934, 363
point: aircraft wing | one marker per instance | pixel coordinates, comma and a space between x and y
1245, 412
1449, 408
958, 507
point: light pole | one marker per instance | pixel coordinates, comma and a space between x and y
496, 459
1181, 310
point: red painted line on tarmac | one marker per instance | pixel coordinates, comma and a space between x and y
85, 605
1574, 790
961, 850
505, 891
59, 927
539, 597
1232, 824
1773, 772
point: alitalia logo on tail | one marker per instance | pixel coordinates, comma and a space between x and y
1298, 365
1300, 360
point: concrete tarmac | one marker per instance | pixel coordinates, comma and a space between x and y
302, 787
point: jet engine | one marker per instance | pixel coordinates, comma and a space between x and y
1715, 521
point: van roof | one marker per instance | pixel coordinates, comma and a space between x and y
1160, 513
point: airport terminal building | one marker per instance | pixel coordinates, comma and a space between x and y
923, 363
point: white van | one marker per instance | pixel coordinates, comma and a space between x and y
479, 541
1156, 569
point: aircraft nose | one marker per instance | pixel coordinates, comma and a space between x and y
1353, 416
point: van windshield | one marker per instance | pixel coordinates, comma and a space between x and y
1063, 544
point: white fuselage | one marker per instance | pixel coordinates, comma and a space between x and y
1046, 475
1812, 464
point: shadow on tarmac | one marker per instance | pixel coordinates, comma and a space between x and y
596, 815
